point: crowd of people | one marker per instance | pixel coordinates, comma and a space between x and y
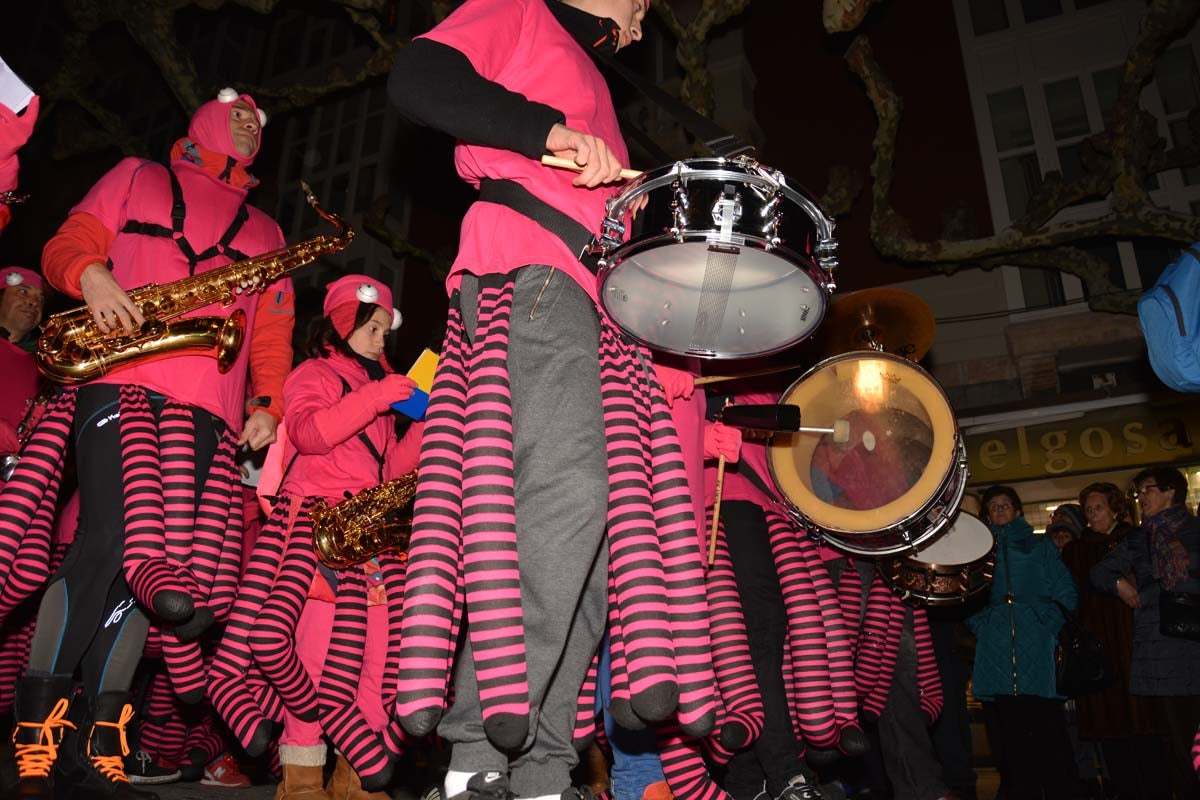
593, 554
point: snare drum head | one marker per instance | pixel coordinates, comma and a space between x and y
901, 447
968, 540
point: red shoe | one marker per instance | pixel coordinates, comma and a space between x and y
224, 771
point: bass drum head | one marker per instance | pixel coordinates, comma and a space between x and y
900, 452
711, 300
966, 541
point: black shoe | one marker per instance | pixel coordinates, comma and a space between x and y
141, 769
93, 768
799, 788
191, 769
41, 707
486, 786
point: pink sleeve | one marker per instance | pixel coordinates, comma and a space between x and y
8, 438
403, 456
318, 417
485, 31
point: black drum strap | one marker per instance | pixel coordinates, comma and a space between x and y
575, 236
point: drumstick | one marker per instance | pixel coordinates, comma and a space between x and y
712, 535
566, 163
754, 374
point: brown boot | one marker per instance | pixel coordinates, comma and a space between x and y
345, 784
301, 783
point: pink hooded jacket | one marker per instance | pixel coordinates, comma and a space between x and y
323, 423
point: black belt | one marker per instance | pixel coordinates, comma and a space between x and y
576, 237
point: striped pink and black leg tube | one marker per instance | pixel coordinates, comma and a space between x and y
929, 680
806, 635
491, 575
849, 594
433, 595
27, 504
229, 676
273, 637
635, 560
150, 575
872, 637
340, 715
874, 702
790, 689
840, 648
392, 564
163, 732
683, 567
585, 715
15, 639
619, 705
683, 766
732, 663
205, 737
177, 459
216, 553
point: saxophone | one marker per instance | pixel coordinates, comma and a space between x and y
358, 529
72, 350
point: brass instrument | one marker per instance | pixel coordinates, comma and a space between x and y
73, 350
12, 198
358, 529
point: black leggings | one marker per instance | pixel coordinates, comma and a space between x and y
88, 617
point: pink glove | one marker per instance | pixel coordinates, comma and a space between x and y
393, 388
675, 382
15, 130
722, 440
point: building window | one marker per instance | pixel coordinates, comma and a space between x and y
1069, 122
1108, 86
1019, 167
988, 16
1153, 256
1035, 10
1179, 86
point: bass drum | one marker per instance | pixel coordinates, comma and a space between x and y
948, 571
898, 479
724, 259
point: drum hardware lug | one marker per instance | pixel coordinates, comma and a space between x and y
679, 210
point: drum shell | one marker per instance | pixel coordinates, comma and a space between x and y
911, 397
924, 582
651, 280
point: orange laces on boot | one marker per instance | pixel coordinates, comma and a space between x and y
35, 760
113, 767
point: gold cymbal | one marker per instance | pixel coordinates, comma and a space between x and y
893, 320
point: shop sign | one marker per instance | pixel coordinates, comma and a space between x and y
1107, 439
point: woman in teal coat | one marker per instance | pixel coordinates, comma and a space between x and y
1016, 633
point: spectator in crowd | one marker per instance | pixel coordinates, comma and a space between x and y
1163, 555
1014, 674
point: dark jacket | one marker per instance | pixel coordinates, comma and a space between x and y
1161, 665
1029, 567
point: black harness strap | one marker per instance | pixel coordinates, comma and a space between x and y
175, 232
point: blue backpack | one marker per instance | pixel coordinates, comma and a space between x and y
1170, 316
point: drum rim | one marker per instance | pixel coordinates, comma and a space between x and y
801, 263
830, 518
728, 168
936, 566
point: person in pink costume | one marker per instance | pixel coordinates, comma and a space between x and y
15, 130
341, 440
145, 222
22, 295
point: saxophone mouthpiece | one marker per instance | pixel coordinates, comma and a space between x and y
308, 192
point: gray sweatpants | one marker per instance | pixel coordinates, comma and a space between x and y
908, 756
561, 493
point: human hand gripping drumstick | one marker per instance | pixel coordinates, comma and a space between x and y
566, 163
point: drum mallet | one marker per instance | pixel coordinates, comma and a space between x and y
779, 418
783, 418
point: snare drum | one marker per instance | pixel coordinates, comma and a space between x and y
726, 260
949, 570
899, 478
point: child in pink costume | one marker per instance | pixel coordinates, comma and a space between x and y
338, 401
